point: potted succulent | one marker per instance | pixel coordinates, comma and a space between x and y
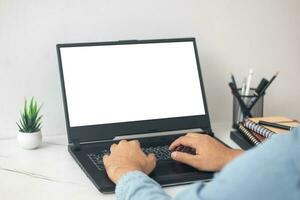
29, 135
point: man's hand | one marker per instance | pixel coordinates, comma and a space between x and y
211, 155
125, 157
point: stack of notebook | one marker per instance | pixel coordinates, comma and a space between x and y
253, 131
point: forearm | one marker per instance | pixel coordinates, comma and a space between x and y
138, 186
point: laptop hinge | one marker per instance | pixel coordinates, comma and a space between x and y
75, 145
209, 131
153, 134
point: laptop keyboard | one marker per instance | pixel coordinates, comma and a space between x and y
161, 153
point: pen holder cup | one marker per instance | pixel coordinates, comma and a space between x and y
256, 110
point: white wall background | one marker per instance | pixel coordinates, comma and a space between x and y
232, 35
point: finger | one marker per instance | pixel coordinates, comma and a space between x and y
175, 143
105, 160
151, 163
123, 142
112, 147
136, 142
184, 158
193, 134
185, 141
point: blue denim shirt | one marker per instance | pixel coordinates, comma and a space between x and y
268, 171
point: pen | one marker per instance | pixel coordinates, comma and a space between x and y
235, 85
243, 87
244, 108
272, 79
233, 80
261, 85
262, 91
275, 125
248, 85
242, 93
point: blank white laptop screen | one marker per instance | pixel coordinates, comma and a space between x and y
131, 82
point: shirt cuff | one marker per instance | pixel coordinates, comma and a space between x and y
124, 181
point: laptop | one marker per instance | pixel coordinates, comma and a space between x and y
149, 90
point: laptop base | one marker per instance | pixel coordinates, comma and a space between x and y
166, 173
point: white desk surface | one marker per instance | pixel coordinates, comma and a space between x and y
50, 172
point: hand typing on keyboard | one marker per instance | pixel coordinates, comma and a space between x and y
125, 157
202, 152
198, 150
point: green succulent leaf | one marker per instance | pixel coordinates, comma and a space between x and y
30, 120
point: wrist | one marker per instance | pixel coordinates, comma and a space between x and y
232, 154
118, 172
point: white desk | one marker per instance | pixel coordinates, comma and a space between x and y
50, 172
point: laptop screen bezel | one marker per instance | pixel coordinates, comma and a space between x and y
103, 132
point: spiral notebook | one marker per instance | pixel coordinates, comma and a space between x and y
250, 133
278, 120
259, 129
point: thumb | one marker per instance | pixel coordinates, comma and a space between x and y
151, 163
186, 158
105, 160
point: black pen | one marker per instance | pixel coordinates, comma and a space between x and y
272, 79
243, 106
233, 80
275, 125
262, 91
261, 86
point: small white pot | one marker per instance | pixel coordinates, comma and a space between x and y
29, 140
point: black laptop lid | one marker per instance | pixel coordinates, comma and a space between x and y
131, 87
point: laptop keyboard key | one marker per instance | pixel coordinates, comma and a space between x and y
160, 152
